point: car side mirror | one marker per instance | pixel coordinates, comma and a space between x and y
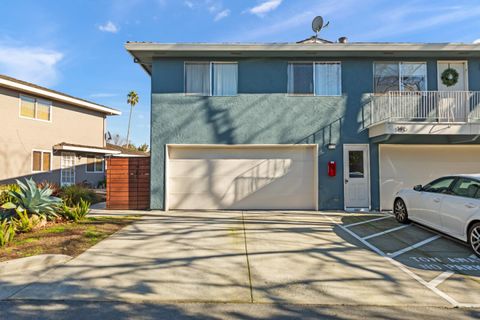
418, 187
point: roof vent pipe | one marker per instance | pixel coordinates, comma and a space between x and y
343, 40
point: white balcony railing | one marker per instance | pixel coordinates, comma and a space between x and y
424, 106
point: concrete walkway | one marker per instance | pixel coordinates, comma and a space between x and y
233, 257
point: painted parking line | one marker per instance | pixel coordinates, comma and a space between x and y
440, 278
415, 246
385, 232
366, 221
398, 264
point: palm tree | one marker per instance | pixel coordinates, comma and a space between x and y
132, 100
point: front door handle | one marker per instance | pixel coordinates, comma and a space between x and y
436, 199
470, 206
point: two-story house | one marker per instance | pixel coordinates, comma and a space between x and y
307, 125
50, 136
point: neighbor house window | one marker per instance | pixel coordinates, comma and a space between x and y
316, 78
211, 78
94, 164
41, 161
400, 76
35, 108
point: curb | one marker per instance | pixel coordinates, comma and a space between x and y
42, 261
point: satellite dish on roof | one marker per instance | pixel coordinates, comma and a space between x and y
317, 25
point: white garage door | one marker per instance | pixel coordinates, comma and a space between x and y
403, 166
241, 177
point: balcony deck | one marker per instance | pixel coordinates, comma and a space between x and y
423, 112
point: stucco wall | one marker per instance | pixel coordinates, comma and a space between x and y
19, 136
263, 113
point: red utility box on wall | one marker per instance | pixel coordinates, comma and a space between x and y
332, 168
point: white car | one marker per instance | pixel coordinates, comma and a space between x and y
450, 204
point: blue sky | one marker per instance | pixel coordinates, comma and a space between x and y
76, 46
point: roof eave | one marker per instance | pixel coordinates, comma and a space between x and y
58, 97
145, 53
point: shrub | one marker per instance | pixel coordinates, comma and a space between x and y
77, 212
34, 200
72, 195
52, 185
5, 195
24, 223
7, 232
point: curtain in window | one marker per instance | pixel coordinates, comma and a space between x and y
197, 78
27, 107
414, 76
300, 78
328, 79
43, 111
36, 161
225, 79
46, 161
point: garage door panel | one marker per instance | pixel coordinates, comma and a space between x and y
186, 202
404, 166
252, 182
264, 152
239, 185
235, 167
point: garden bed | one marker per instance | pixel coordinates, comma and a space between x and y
63, 238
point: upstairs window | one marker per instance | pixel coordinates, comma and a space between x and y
94, 164
317, 78
35, 108
211, 78
400, 76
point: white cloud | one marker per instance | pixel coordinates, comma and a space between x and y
109, 26
189, 4
265, 7
222, 14
32, 64
405, 19
476, 41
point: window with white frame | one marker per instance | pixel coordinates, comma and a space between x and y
400, 76
94, 164
315, 78
34, 108
211, 78
41, 160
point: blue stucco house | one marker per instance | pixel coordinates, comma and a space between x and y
307, 126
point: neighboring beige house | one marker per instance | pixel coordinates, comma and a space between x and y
50, 136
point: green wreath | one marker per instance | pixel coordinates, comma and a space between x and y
449, 77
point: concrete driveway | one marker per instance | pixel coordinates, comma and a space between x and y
236, 257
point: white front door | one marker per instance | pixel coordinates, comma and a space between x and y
356, 164
67, 168
453, 101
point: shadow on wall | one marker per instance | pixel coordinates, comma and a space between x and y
330, 133
221, 122
54, 176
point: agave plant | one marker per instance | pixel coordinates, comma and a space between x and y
34, 200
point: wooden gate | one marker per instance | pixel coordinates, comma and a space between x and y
128, 183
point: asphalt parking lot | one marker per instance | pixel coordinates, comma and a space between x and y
445, 266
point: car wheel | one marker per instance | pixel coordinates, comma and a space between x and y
474, 238
400, 211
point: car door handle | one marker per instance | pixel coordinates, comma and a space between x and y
436, 199
470, 206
